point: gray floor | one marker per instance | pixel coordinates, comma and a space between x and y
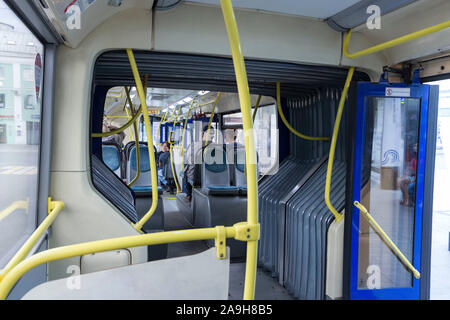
267, 288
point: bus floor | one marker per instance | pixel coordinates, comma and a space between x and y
267, 287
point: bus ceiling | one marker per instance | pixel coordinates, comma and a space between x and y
73, 20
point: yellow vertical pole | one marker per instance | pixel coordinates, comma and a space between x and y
252, 183
148, 129
138, 152
211, 118
337, 125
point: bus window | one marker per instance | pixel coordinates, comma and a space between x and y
20, 122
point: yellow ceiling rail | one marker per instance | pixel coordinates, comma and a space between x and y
385, 238
256, 107
151, 151
337, 124
394, 42
216, 102
252, 177
54, 208
240, 232
286, 123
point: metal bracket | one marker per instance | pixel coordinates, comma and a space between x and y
384, 77
247, 232
221, 243
416, 76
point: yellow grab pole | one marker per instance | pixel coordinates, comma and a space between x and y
54, 208
386, 239
252, 182
337, 124
211, 118
256, 107
138, 152
184, 134
151, 151
287, 124
130, 116
394, 42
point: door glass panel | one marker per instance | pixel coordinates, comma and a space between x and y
388, 190
21, 70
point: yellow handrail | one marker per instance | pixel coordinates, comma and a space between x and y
136, 132
117, 131
211, 118
256, 107
151, 151
13, 207
394, 42
252, 181
286, 123
54, 208
337, 124
386, 239
239, 232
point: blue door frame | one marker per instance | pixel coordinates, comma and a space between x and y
381, 90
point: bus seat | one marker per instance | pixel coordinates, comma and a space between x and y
112, 157
216, 174
196, 277
144, 179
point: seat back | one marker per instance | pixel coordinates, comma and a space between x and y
112, 157
215, 169
145, 175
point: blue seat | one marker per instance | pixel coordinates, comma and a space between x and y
216, 172
145, 188
112, 158
145, 178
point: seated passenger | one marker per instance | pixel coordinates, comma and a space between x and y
407, 183
189, 167
163, 160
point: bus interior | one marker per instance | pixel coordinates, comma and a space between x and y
160, 165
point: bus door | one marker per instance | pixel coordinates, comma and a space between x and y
393, 179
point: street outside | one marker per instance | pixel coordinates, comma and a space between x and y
18, 182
